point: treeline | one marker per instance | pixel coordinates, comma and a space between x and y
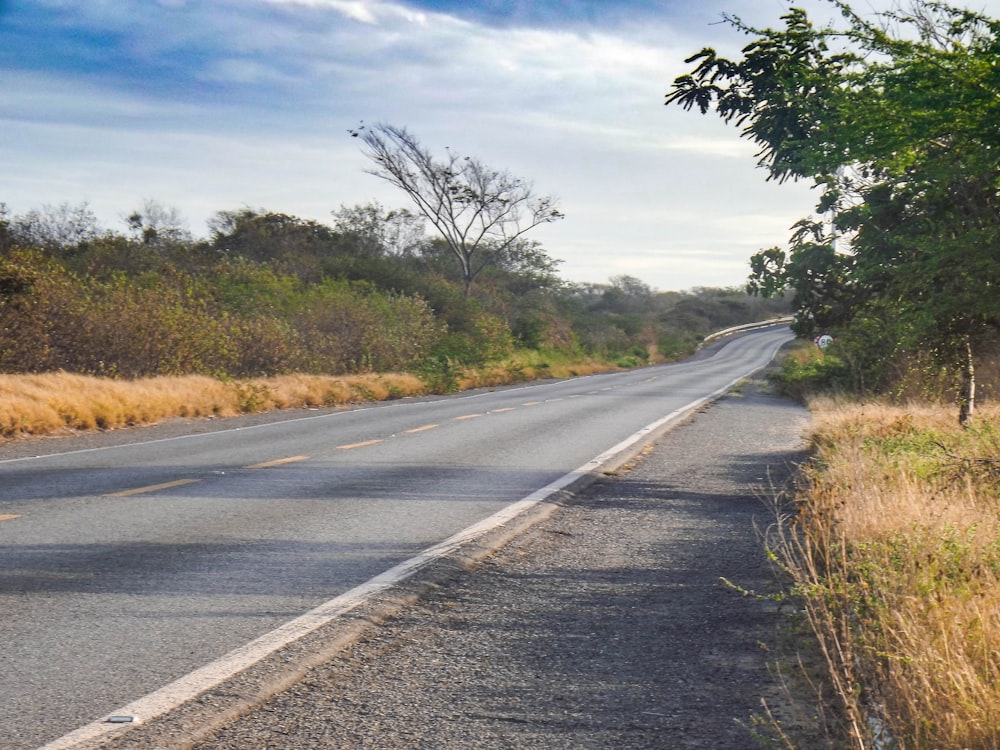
267, 294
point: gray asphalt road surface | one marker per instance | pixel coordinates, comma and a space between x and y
607, 625
136, 574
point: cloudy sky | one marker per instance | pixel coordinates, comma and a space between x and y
209, 105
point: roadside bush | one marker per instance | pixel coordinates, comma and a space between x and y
808, 371
269, 293
264, 345
139, 332
895, 555
30, 287
350, 327
484, 338
402, 332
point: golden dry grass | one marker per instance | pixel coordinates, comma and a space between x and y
293, 391
62, 402
51, 403
895, 550
524, 368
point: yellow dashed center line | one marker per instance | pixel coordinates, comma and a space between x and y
357, 445
151, 488
500, 411
424, 428
467, 416
8, 516
277, 462
531, 403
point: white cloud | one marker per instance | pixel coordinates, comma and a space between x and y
358, 10
372, 12
243, 71
210, 106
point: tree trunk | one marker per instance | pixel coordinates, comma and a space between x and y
968, 395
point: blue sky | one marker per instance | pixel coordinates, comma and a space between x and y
209, 105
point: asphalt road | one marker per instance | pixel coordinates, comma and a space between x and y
123, 567
606, 625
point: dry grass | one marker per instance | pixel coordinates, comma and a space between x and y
292, 391
529, 366
58, 402
895, 551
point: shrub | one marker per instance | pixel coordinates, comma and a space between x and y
807, 371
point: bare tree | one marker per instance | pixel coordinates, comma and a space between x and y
5, 238
56, 228
377, 230
479, 212
158, 225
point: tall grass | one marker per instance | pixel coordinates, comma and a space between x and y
895, 553
57, 402
531, 364
52, 403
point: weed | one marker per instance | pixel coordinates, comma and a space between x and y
251, 397
895, 554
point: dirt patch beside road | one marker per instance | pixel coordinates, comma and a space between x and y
608, 625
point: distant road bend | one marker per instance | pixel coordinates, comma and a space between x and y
127, 569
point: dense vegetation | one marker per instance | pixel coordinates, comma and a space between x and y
893, 117
267, 293
894, 556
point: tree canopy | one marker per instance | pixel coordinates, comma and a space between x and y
894, 118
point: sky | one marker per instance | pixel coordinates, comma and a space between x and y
216, 105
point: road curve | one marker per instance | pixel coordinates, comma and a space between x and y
128, 568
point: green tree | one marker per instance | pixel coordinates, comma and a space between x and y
895, 121
294, 245
480, 212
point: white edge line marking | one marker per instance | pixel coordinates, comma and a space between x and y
215, 673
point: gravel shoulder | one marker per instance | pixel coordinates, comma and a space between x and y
607, 624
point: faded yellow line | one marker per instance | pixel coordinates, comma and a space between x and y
467, 416
8, 516
424, 428
531, 403
277, 462
506, 408
357, 445
151, 488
